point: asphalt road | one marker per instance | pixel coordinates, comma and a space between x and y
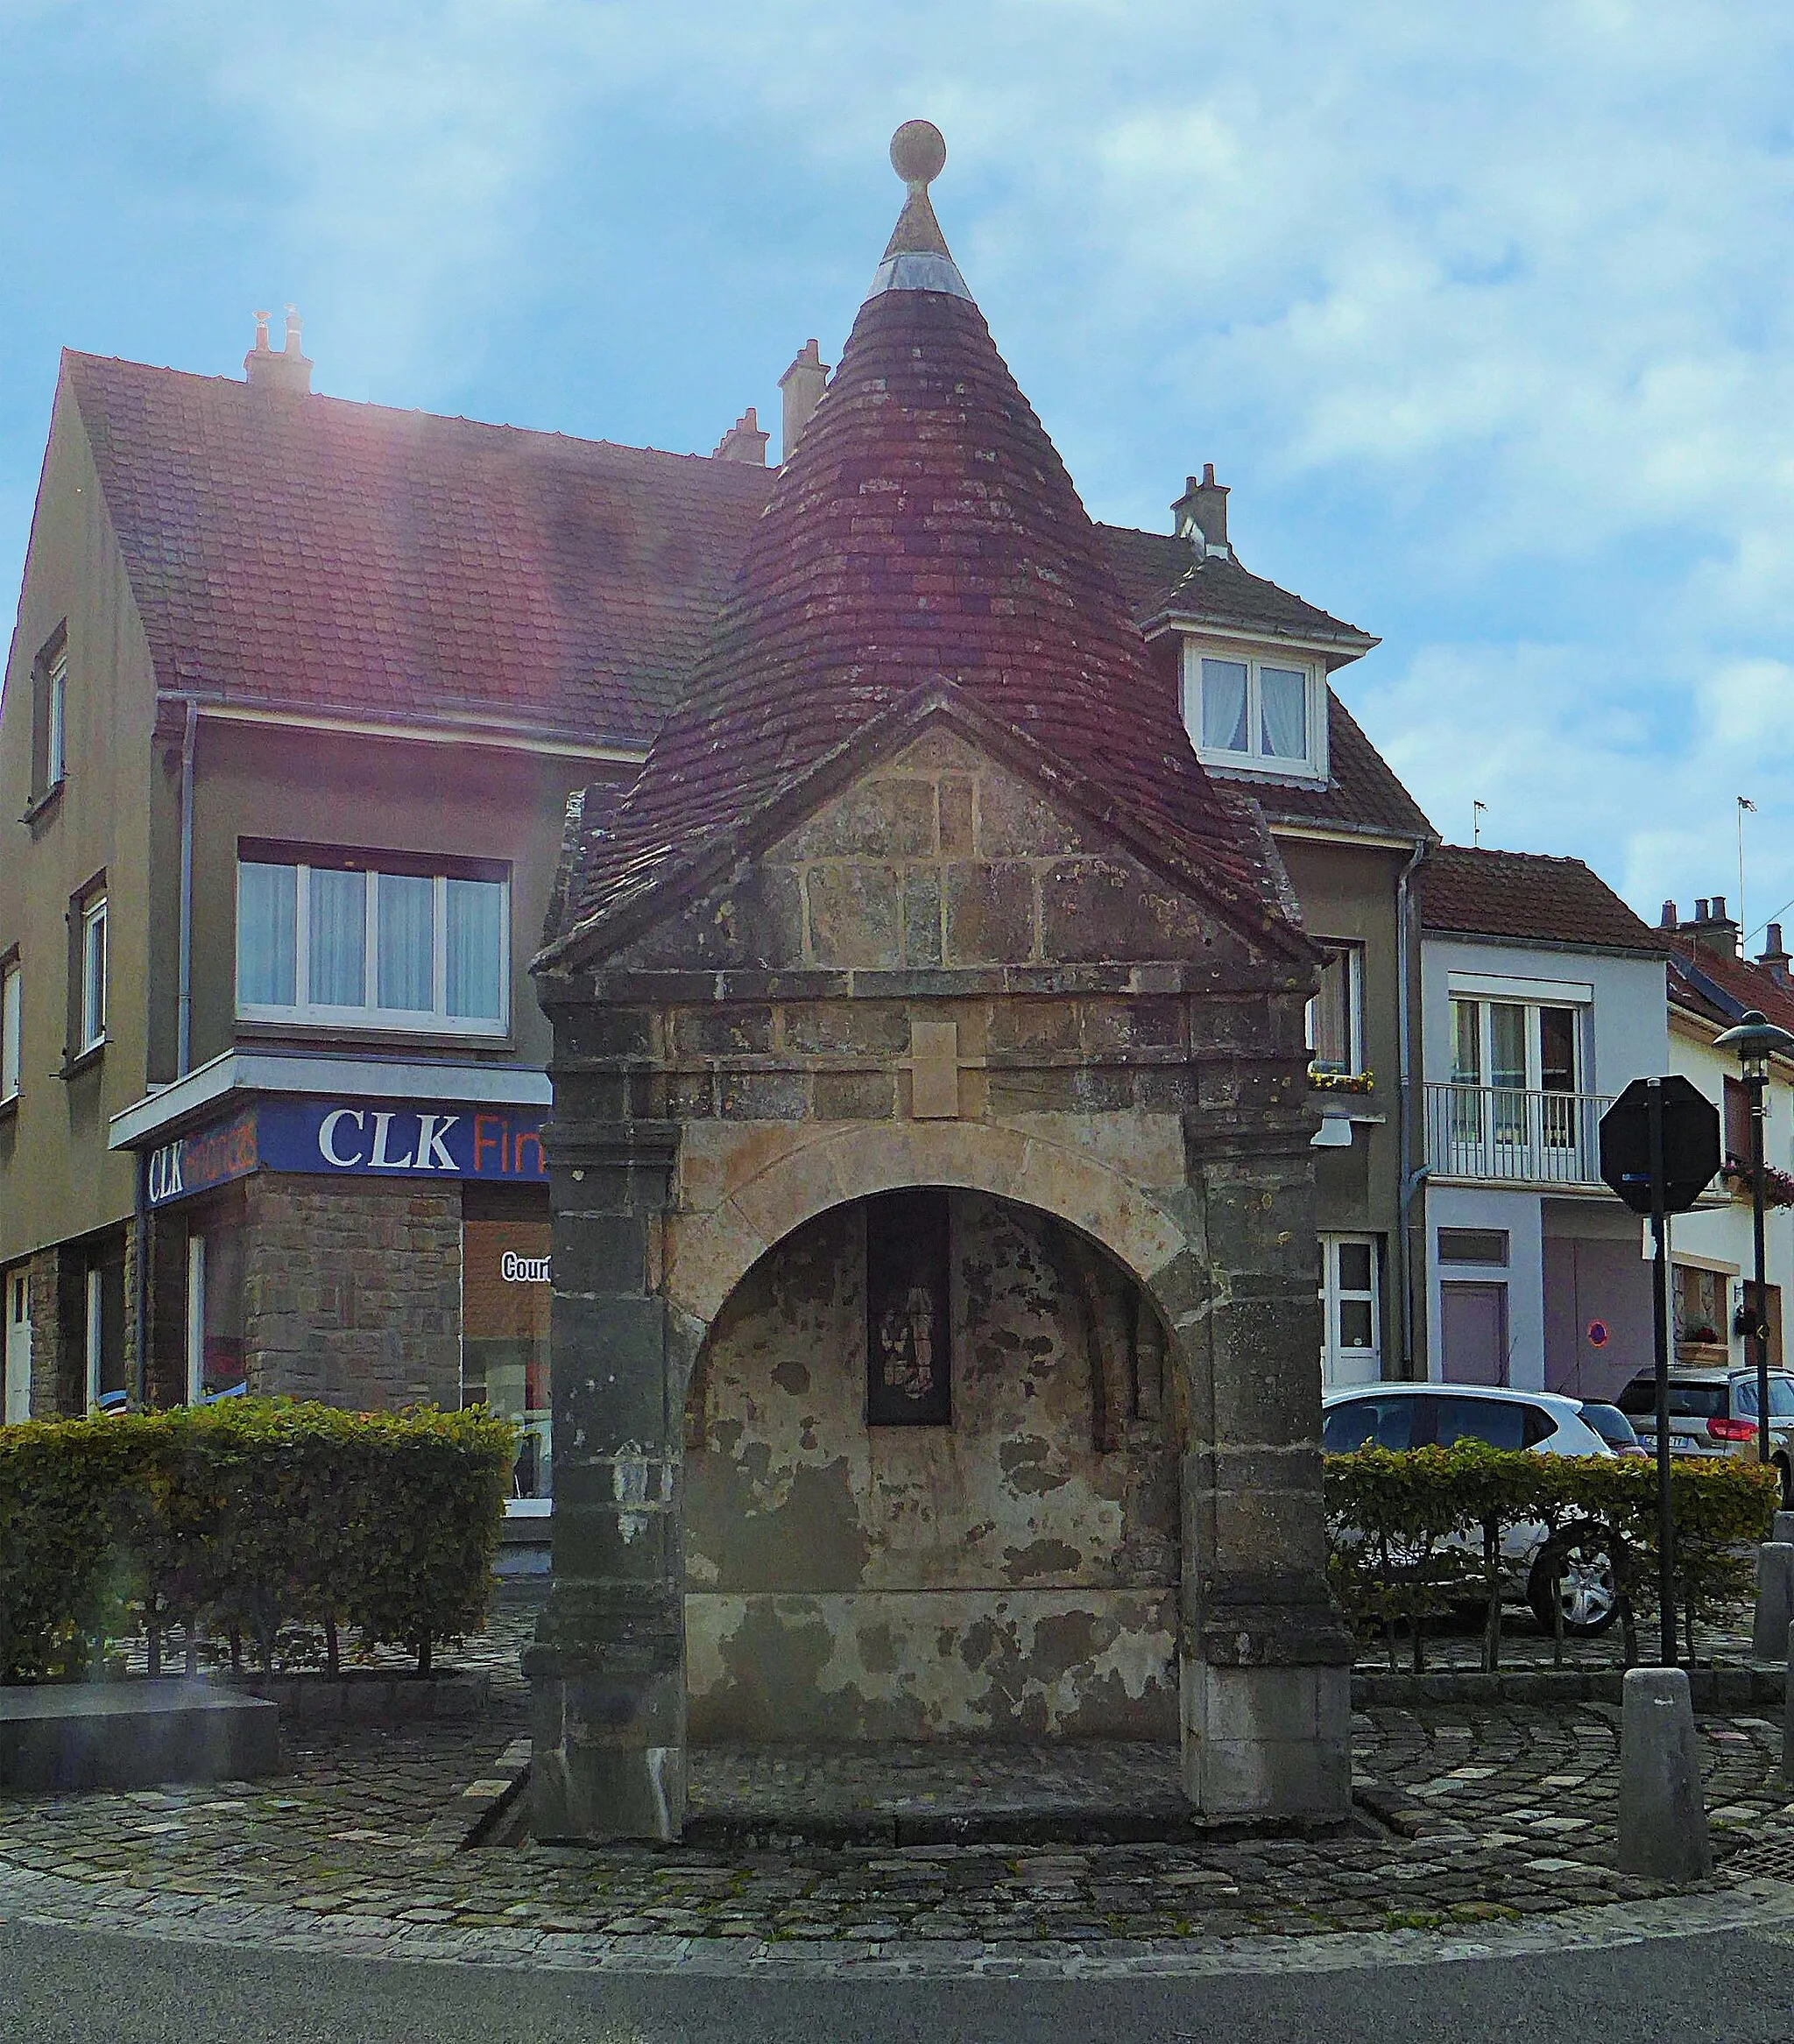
70, 1987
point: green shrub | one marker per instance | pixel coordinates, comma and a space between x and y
239, 1518
1416, 1531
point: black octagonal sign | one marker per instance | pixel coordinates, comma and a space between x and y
1690, 1144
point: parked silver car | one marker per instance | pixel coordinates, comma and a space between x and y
1712, 1412
1424, 1415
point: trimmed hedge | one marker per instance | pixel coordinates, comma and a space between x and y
238, 1517
1416, 1531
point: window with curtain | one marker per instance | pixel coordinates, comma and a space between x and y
372, 945
1247, 712
1336, 1013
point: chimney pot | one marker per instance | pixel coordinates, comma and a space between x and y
1668, 919
1701, 907
744, 441
286, 374
802, 388
1718, 908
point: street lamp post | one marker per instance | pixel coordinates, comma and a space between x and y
1756, 1040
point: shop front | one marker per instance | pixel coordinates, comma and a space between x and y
367, 1250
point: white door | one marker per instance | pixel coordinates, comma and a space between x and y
19, 1348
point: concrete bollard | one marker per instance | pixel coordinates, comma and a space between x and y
1775, 1600
1788, 1714
1662, 1818
1783, 1532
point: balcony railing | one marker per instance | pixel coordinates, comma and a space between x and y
1514, 1135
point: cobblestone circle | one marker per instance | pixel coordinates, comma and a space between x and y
1474, 1822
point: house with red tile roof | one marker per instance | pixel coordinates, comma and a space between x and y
974, 972
281, 659
1542, 997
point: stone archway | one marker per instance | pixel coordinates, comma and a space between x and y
1010, 1570
730, 1210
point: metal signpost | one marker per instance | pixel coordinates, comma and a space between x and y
1660, 1150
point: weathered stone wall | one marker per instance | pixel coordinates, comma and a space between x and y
352, 1291
939, 975
1014, 1573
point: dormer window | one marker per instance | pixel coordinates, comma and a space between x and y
1255, 714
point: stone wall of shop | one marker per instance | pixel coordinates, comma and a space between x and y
352, 1290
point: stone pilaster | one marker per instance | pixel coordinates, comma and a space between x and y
1266, 1661
607, 1671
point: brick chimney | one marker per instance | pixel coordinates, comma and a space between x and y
1667, 921
1774, 956
1711, 930
801, 387
744, 443
285, 374
1201, 513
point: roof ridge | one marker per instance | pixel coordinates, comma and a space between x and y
365, 407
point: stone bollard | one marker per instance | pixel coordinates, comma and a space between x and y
1662, 1818
1783, 1532
1775, 1600
1788, 1714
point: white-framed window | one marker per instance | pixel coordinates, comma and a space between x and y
1516, 1068
372, 945
56, 720
1336, 1013
93, 972
1256, 714
11, 996
1351, 1339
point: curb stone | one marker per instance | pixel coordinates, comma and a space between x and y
53, 1901
1712, 1690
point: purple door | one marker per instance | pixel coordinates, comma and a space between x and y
1474, 1333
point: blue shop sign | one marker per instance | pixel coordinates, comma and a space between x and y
358, 1138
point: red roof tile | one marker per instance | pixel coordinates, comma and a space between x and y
1163, 576
1698, 975
1523, 895
347, 558
924, 530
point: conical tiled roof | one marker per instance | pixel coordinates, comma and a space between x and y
924, 533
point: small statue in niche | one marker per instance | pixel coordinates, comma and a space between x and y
908, 1287
906, 1342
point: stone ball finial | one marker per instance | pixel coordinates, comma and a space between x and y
918, 153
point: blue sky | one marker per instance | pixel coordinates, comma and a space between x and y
1484, 312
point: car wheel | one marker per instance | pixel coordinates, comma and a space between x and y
1576, 1567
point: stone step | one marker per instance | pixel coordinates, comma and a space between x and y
56, 1736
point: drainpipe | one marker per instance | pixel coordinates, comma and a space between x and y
183, 1047
183, 1054
1411, 1178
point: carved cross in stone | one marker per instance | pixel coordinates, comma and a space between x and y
934, 1070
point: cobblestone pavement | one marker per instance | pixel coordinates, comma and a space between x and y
1478, 1818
